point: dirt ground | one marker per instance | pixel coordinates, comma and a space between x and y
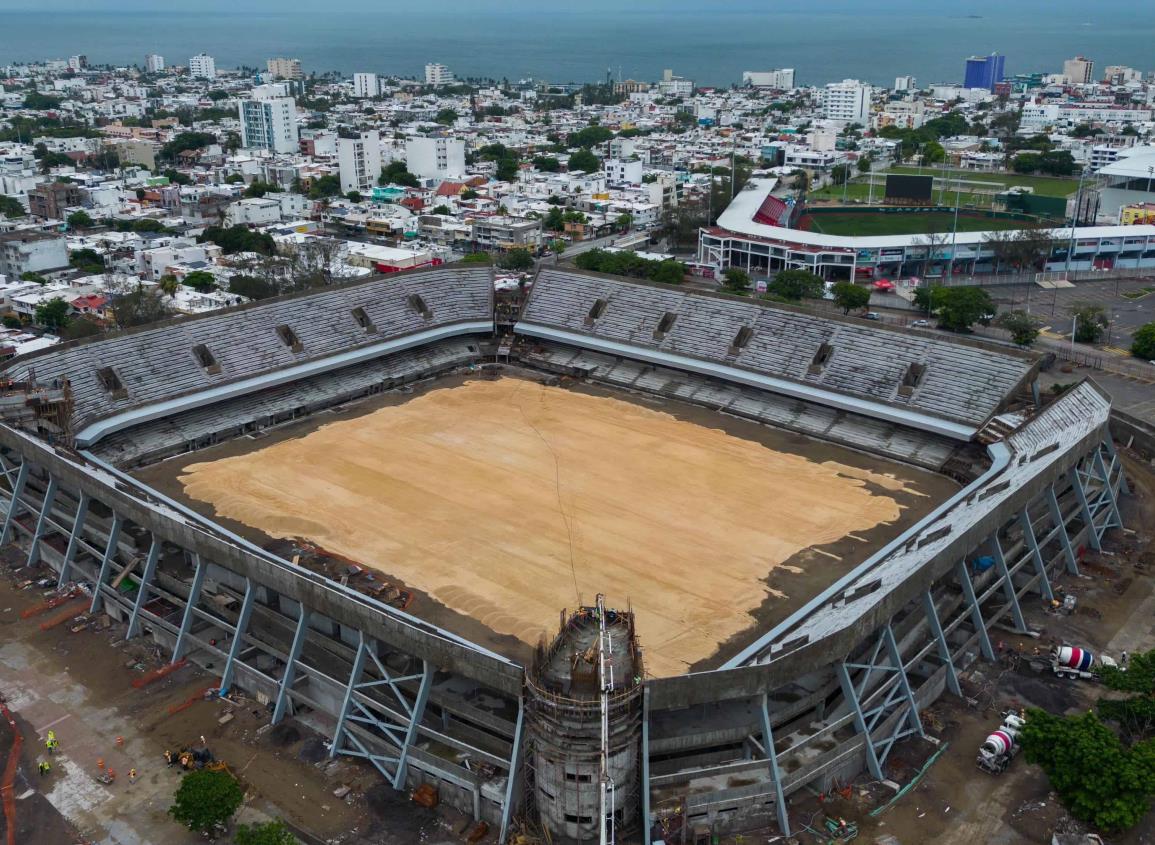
508, 500
80, 685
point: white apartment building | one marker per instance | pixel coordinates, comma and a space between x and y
1121, 74
675, 86
202, 66
359, 160
365, 85
905, 83
624, 171
153, 63
438, 74
285, 68
1079, 70
269, 124
782, 78
435, 158
848, 100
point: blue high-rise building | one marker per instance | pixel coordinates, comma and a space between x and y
985, 71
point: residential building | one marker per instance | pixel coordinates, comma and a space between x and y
31, 252
136, 152
153, 63
359, 160
624, 171
905, 83
254, 212
365, 85
438, 74
202, 66
285, 68
77, 62
781, 79
504, 233
985, 71
848, 100
435, 158
51, 199
1079, 70
675, 86
1121, 75
269, 124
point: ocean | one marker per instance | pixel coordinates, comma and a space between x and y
710, 41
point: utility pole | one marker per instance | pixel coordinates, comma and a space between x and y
954, 231
1074, 223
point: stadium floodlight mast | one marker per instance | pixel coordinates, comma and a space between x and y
954, 229
1074, 223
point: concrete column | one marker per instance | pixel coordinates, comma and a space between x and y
896, 661
415, 717
1061, 528
1085, 507
291, 664
775, 774
1036, 554
74, 537
142, 589
106, 561
647, 823
515, 771
14, 504
194, 594
354, 677
38, 531
851, 697
968, 588
1109, 490
1109, 445
238, 636
1008, 583
943, 647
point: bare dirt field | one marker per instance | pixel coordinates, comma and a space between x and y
507, 500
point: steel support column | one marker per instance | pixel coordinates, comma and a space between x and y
17, 492
775, 773
354, 676
646, 821
1036, 554
968, 589
1109, 445
106, 561
291, 663
1085, 507
1109, 490
1061, 528
943, 647
74, 537
194, 594
848, 693
238, 636
515, 771
1008, 583
38, 531
896, 660
416, 715
142, 588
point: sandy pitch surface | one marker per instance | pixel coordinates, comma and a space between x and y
504, 500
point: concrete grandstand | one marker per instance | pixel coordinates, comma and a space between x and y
814, 698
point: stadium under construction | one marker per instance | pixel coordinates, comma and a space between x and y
574, 734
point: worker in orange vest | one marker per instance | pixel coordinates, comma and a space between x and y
132, 775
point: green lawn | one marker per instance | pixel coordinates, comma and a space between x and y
1045, 186
858, 189
873, 223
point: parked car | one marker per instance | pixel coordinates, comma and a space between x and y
872, 315
921, 324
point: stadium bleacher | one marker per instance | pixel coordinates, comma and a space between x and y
938, 377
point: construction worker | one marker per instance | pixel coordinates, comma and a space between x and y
169, 757
45, 767
132, 775
50, 744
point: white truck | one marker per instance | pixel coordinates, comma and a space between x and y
1074, 662
1001, 745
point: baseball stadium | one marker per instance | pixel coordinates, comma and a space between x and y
606, 556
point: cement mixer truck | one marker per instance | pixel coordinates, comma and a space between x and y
1002, 745
1074, 662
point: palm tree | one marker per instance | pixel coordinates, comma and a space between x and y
168, 285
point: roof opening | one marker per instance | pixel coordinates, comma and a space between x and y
597, 309
741, 339
665, 324
911, 378
289, 338
362, 318
417, 303
821, 358
206, 359
110, 381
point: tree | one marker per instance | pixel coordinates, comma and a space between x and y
269, 833
476, 258
1090, 322
554, 219
251, 287
796, 285
584, 161
206, 800
79, 220
446, 117
669, 271
186, 141
88, 260
11, 207
325, 186
442, 209
839, 174
354, 196
865, 163
234, 179
933, 153
168, 285
735, 280
1143, 342
591, 136
518, 259
1023, 327
258, 189
40, 102
1097, 778
546, 164
201, 280
53, 314
396, 173
507, 169
924, 298
79, 327
624, 221
29, 276
469, 194
851, 297
132, 304
236, 239
959, 308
